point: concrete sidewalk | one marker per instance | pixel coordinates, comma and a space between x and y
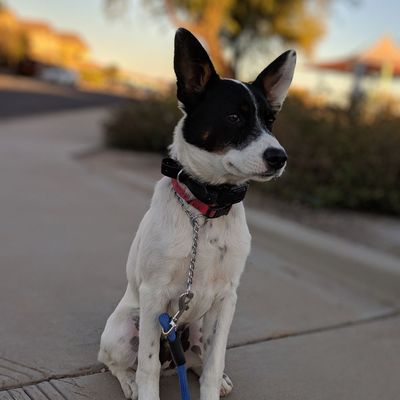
22, 96
316, 319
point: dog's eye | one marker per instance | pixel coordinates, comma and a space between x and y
233, 119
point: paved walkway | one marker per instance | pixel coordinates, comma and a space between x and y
27, 96
317, 318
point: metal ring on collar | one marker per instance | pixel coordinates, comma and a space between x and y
178, 175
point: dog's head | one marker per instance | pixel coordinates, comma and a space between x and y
225, 135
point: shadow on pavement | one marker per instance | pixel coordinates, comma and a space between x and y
17, 103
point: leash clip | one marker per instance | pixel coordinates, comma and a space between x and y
172, 325
184, 300
183, 305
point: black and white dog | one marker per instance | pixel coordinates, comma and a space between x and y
223, 140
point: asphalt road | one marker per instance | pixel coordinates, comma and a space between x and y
315, 318
21, 96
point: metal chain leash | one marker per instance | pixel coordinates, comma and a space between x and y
186, 297
195, 238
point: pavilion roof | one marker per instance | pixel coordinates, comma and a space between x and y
383, 53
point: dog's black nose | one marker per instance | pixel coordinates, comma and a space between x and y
275, 158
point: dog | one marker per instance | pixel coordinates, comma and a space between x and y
223, 141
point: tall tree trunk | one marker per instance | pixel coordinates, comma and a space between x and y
215, 51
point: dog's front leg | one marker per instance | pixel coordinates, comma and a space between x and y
216, 327
152, 303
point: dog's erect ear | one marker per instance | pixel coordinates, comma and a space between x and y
275, 79
193, 67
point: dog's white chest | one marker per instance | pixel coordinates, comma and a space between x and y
160, 254
222, 250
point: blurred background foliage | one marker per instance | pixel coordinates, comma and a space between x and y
232, 29
145, 125
336, 159
13, 40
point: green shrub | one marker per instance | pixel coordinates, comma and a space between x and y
337, 161
145, 125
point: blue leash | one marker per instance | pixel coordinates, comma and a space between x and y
169, 324
177, 353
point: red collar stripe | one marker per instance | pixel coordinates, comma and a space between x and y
205, 209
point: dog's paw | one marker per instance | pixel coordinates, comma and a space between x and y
128, 384
226, 386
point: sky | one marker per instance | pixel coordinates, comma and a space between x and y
142, 42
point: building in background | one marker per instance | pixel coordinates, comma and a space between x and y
370, 73
38, 41
37, 48
50, 46
383, 58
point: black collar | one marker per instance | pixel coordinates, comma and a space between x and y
219, 198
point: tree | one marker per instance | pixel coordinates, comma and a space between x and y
292, 22
111, 73
13, 41
12, 47
232, 28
